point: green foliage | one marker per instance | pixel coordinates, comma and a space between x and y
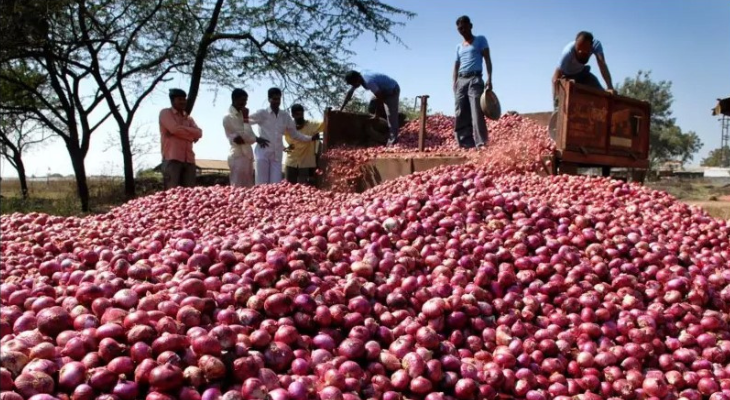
301, 45
119, 51
667, 141
719, 157
408, 107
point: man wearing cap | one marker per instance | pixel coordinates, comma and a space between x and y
301, 160
178, 132
272, 126
469, 126
386, 91
240, 135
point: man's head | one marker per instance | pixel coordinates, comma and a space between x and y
178, 99
583, 46
353, 78
275, 98
239, 98
463, 25
297, 112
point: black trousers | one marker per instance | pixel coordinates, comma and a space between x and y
294, 175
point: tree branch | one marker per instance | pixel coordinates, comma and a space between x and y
152, 87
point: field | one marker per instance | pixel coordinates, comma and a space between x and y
712, 196
58, 196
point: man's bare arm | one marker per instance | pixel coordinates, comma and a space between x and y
601, 59
456, 73
488, 62
348, 97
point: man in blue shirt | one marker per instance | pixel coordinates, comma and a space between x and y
470, 127
386, 91
574, 59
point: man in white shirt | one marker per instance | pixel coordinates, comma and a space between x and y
240, 135
273, 124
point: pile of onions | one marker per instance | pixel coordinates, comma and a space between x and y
514, 143
462, 283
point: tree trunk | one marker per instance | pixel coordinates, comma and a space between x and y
20, 167
129, 186
201, 55
82, 186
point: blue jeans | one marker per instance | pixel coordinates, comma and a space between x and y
470, 127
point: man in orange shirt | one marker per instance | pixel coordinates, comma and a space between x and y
178, 132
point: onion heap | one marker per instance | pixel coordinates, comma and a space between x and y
460, 283
515, 144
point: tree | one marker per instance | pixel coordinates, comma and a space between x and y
408, 107
719, 157
666, 139
17, 135
301, 44
123, 49
19, 130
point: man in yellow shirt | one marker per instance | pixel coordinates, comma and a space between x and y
301, 161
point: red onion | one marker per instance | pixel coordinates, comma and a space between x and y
125, 390
71, 375
13, 361
83, 392
166, 378
212, 367
54, 320
462, 282
102, 379
32, 383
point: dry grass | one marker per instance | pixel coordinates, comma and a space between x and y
704, 193
59, 197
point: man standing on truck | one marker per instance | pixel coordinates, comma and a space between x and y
241, 137
301, 161
470, 127
272, 125
386, 91
573, 63
178, 132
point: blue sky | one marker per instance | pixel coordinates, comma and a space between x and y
684, 41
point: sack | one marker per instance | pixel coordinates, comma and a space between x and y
490, 105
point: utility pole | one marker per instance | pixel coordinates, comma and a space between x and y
723, 109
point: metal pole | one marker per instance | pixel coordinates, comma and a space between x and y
422, 132
325, 133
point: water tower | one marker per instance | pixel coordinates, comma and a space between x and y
723, 110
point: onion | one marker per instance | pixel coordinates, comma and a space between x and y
6, 380
102, 379
166, 378
83, 392
212, 367
13, 361
71, 375
125, 390
33, 383
461, 282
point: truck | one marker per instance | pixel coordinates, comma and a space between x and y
593, 128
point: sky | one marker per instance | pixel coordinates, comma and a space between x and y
686, 42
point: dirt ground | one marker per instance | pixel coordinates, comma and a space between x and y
712, 196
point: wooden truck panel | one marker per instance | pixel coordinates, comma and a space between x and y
596, 126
